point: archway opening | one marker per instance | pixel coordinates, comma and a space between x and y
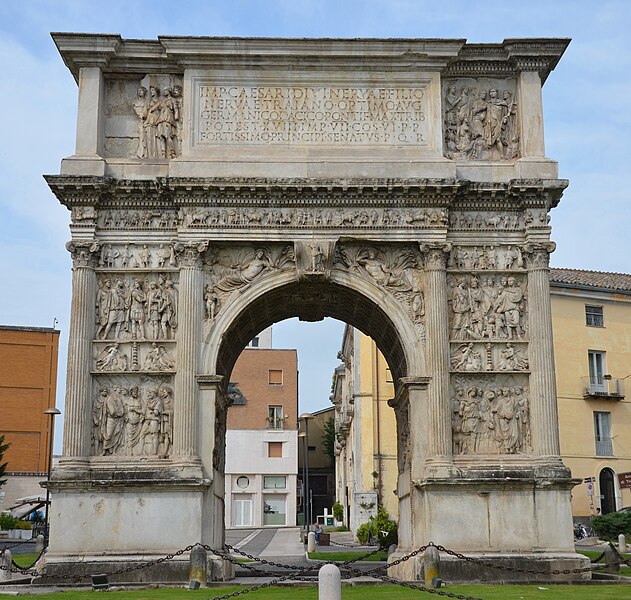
607, 491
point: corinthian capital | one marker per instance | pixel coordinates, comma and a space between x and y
190, 254
435, 255
84, 253
538, 254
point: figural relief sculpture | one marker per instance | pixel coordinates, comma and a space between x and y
480, 121
134, 309
490, 419
133, 420
159, 122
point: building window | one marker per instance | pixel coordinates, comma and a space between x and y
389, 375
274, 510
255, 342
275, 449
275, 417
275, 377
242, 510
594, 316
597, 382
243, 482
274, 482
602, 432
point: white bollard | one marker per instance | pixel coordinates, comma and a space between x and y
39, 543
5, 562
329, 583
622, 544
311, 541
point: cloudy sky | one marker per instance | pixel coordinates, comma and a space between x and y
586, 108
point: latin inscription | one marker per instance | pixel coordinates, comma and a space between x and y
311, 115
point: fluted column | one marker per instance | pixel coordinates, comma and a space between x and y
439, 445
78, 411
189, 328
543, 397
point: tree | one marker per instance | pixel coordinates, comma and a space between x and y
3, 466
328, 438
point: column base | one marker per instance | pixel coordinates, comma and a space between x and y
457, 570
57, 569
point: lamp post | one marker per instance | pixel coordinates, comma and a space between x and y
52, 413
305, 418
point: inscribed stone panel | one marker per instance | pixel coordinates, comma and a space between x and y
296, 115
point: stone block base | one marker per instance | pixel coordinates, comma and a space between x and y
457, 570
59, 571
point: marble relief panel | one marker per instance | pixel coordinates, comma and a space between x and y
130, 307
143, 118
132, 416
490, 414
480, 119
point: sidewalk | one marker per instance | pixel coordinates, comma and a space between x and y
285, 545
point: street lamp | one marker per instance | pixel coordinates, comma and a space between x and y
305, 418
52, 413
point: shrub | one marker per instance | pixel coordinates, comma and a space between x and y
610, 526
363, 533
7, 521
384, 529
338, 512
23, 525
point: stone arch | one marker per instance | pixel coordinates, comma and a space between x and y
344, 296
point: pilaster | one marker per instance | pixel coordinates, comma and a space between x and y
544, 415
78, 379
531, 112
188, 346
439, 446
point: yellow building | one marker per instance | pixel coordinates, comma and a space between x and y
591, 315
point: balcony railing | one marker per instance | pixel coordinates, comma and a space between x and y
276, 423
604, 447
601, 387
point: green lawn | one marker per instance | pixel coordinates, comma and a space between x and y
25, 560
592, 554
504, 592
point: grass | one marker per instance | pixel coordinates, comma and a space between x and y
592, 554
25, 560
348, 555
385, 592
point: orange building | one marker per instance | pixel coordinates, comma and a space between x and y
28, 380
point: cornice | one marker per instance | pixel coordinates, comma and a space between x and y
174, 54
176, 192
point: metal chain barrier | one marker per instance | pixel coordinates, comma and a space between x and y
299, 574
32, 564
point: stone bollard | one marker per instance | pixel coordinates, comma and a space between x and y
622, 544
612, 558
431, 566
199, 566
39, 544
5, 562
311, 546
329, 583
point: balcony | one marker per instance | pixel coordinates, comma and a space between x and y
276, 422
604, 446
603, 386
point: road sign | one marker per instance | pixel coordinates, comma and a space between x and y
590, 489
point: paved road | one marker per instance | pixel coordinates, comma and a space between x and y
18, 547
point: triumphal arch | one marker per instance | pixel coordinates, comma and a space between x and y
220, 185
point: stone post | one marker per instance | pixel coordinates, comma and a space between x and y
188, 348
199, 566
543, 397
77, 420
6, 564
439, 446
329, 583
